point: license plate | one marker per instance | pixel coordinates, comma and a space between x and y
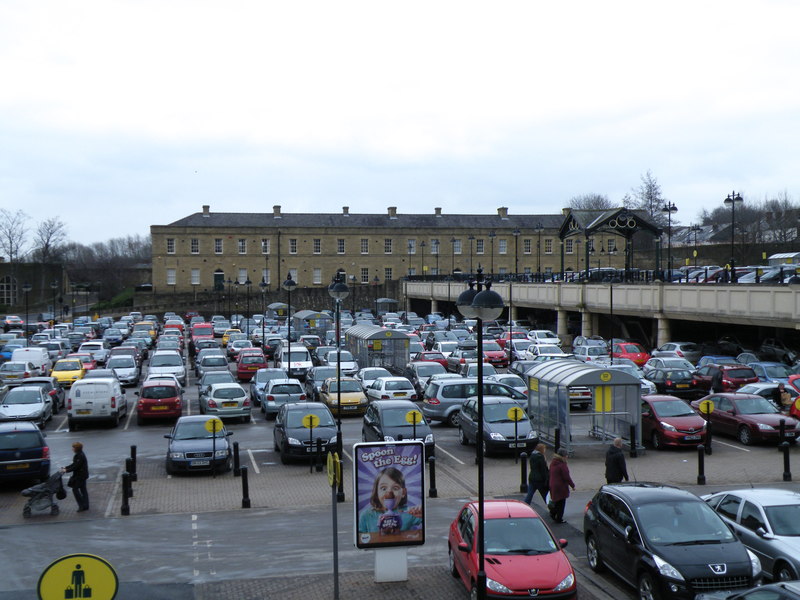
254, 368
83, 411
692, 437
230, 404
18, 466
311, 448
350, 407
399, 394
159, 407
517, 445
682, 385
200, 463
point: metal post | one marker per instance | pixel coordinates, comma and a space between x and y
701, 465
781, 431
523, 472
125, 510
318, 457
245, 489
634, 454
787, 472
432, 491
557, 440
237, 471
128, 469
708, 437
134, 477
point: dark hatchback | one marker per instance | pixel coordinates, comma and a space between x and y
665, 542
293, 439
192, 447
675, 382
389, 421
23, 452
500, 432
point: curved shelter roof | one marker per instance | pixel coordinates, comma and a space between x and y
373, 332
311, 315
571, 373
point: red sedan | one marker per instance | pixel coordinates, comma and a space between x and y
248, 364
521, 553
88, 360
494, 354
430, 356
631, 351
748, 417
159, 399
669, 421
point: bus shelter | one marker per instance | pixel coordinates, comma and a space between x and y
615, 409
277, 310
311, 322
374, 346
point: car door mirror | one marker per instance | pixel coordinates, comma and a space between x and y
563, 543
168, 436
228, 433
630, 535
463, 547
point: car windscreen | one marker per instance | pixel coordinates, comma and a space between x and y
682, 523
159, 392
740, 373
347, 386
20, 440
214, 361
678, 374
754, 406
343, 356
13, 367
299, 357
370, 374
784, 520
424, 370
121, 362
776, 371
527, 536
218, 377
20, 396
498, 413
69, 365
167, 360
286, 388
396, 417
672, 408
491, 347
399, 385
294, 418
195, 431
229, 393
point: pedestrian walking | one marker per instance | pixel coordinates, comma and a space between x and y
616, 470
80, 474
781, 398
716, 381
538, 475
560, 482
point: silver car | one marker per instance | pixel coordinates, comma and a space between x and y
126, 369
226, 400
27, 403
280, 392
767, 521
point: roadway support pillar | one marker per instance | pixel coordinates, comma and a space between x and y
562, 324
586, 323
663, 334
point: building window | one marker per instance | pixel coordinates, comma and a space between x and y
171, 277
567, 246
292, 245
457, 247
242, 276
194, 246
434, 246
217, 245
317, 246
503, 246
611, 246
8, 290
387, 274
526, 246
501, 270
264, 246
195, 276
265, 276
387, 246
293, 275
170, 245
412, 246
479, 246
364, 246
364, 277
548, 246
242, 246
340, 246
412, 271
316, 276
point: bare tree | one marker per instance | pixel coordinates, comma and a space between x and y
49, 237
590, 202
13, 231
781, 216
648, 197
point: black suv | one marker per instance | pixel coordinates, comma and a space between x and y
23, 452
664, 541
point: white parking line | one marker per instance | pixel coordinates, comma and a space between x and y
62, 426
455, 458
253, 461
130, 414
730, 445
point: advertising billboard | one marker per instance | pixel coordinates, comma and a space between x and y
389, 480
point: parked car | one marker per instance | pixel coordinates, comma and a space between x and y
430, 356
591, 353
471, 370
210, 362
535, 350
748, 417
367, 375
521, 553
418, 373
68, 370
226, 400
389, 388
14, 372
316, 377
206, 381
292, 439
766, 390
675, 382
767, 521
461, 356
279, 392
351, 397
498, 428
665, 542
511, 380
733, 376
716, 359
248, 364
51, 387
669, 421
169, 362
667, 362
516, 349
631, 351
390, 421
159, 400
771, 372
126, 368
24, 453
544, 336
777, 350
443, 398
192, 447
26, 403
96, 399
519, 367
782, 590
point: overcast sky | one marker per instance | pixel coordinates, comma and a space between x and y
118, 115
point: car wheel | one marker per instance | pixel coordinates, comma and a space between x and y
139, 420
170, 470
71, 425
473, 592
655, 441
784, 572
744, 435
462, 437
647, 588
452, 419
284, 458
593, 555
275, 445
451, 561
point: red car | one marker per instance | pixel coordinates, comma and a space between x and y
511, 335
494, 354
158, 399
88, 360
630, 351
748, 417
669, 421
521, 553
248, 363
430, 356
733, 376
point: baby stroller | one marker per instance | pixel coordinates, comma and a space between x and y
40, 496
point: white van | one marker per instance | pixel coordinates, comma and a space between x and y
298, 364
36, 355
96, 399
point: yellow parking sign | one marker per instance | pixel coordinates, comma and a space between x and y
78, 576
603, 398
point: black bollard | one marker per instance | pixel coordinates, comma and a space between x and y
432, 491
128, 467
781, 433
237, 470
634, 454
134, 477
523, 472
557, 440
318, 458
787, 472
245, 489
126, 508
701, 465
708, 437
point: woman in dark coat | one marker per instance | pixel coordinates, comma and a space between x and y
560, 482
539, 475
80, 474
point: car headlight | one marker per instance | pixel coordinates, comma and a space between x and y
765, 427
755, 564
532, 435
566, 583
220, 454
363, 401
497, 436
294, 441
429, 438
666, 569
667, 426
333, 440
388, 438
176, 455
496, 586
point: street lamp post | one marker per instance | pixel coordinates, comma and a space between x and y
453, 258
375, 283
422, 245
435, 251
516, 233
338, 290
248, 284
480, 305
289, 285
230, 284
492, 235
353, 297
669, 208
471, 239
695, 229
54, 287
539, 228
26, 288
731, 200
263, 286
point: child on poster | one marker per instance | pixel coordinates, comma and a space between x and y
388, 510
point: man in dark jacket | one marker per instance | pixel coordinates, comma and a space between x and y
716, 381
539, 475
616, 470
80, 474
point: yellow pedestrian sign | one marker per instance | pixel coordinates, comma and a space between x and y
334, 469
515, 413
310, 421
706, 406
213, 425
413, 417
78, 576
